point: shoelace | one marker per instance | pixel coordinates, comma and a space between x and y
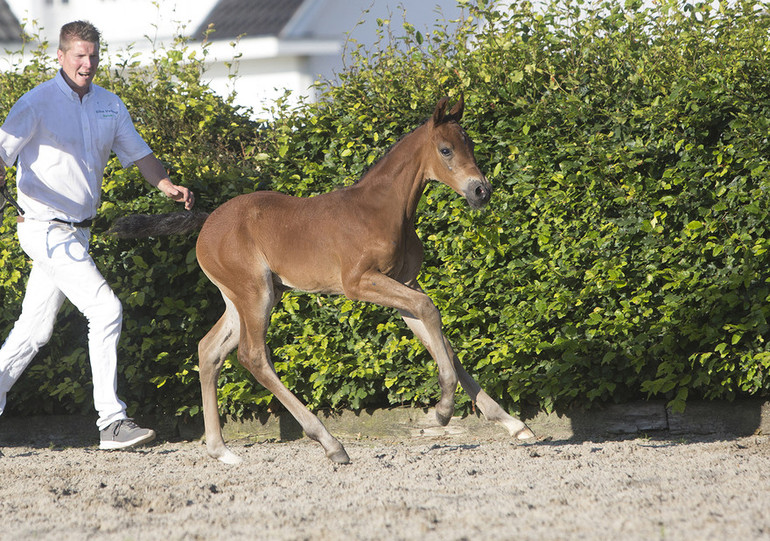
129, 423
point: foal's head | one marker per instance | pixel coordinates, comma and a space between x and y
451, 159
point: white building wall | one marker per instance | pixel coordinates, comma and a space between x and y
121, 22
260, 82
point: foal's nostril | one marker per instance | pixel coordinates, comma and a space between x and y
478, 194
482, 193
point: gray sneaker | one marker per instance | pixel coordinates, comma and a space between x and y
124, 434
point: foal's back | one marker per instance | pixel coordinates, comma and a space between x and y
306, 243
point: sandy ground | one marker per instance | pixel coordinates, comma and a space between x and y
426, 488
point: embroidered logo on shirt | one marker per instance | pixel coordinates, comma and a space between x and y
107, 113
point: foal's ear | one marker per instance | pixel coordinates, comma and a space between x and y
438, 114
456, 112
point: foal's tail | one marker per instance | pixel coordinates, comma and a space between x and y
158, 225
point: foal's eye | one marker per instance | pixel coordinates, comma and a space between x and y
446, 151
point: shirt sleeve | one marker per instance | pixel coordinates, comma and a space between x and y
17, 130
128, 145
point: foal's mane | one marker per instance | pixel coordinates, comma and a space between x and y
391, 147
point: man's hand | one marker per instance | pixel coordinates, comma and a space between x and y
179, 194
153, 172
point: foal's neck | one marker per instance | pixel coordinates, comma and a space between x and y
398, 178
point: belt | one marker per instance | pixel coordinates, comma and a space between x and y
84, 223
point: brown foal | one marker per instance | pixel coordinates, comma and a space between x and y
358, 241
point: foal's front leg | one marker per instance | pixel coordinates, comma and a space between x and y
488, 406
380, 289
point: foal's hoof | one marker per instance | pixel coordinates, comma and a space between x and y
444, 413
516, 428
340, 456
228, 457
524, 434
442, 419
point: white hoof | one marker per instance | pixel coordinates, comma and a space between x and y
517, 429
524, 434
228, 457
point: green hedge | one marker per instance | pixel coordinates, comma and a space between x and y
623, 255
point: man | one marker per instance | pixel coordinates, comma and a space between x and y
62, 133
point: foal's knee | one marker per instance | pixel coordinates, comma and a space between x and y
428, 313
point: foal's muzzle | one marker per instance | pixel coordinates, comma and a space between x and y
478, 193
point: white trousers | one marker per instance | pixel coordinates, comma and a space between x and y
62, 267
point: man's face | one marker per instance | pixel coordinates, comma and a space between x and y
79, 63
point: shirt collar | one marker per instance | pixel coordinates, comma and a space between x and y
64, 87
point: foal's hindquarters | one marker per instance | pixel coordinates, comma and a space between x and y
250, 293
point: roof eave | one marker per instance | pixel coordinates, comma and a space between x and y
273, 47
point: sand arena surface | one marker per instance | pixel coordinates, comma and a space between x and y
447, 487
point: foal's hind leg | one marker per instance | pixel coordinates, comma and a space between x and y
255, 356
491, 409
212, 351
